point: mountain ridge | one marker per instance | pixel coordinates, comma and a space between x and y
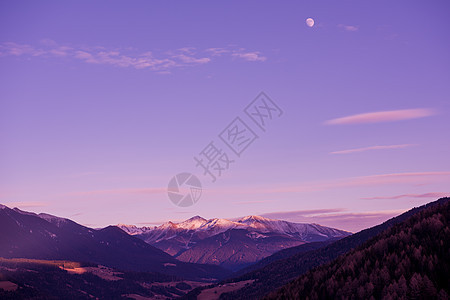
43, 236
232, 244
409, 260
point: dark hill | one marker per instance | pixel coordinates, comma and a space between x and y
280, 272
410, 260
27, 235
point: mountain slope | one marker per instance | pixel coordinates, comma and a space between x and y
231, 244
28, 235
409, 260
280, 272
283, 254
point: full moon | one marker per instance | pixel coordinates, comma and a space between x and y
310, 22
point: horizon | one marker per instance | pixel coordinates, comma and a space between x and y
176, 222
104, 109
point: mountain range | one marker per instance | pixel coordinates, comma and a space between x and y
47, 257
230, 244
42, 236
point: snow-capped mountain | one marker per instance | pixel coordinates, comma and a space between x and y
232, 244
133, 229
43, 236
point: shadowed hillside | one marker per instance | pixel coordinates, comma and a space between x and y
410, 260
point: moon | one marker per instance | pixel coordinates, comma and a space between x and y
310, 22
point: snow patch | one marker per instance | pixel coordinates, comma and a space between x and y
53, 219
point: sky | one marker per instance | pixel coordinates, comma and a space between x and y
103, 103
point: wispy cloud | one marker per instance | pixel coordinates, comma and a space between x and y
192, 60
433, 195
124, 58
254, 202
285, 215
337, 217
10, 48
363, 149
240, 53
249, 56
25, 204
383, 116
84, 174
372, 180
412, 178
351, 28
217, 51
119, 192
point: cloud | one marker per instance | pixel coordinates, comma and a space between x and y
192, 60
84, 174
383, 116
240, 53
254, 202
125, 58
336, 218
76, 215
10, 48
60, 51
372, 148
119, 192
21, 204
434, 195
217, 51
284, 215
376, 180
351, 28
412, 178
249, 56
115, 58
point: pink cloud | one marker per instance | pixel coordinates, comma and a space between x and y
60, 51
10, 48
348, 27
25, 204
250, 56
192, 60
426, 195
412, 178
336, 218
284, 215
217, 51
119, 192
254, 202
87, 57
100, 55
383, 116
372, 148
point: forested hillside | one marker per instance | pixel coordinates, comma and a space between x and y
409, 260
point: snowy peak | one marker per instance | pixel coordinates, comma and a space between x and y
133, 229
201, 228
253, 219
231, 243
53, 219
222, 223
168, 225
196, 218
192, 223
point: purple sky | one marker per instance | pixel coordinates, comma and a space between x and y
101, 103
